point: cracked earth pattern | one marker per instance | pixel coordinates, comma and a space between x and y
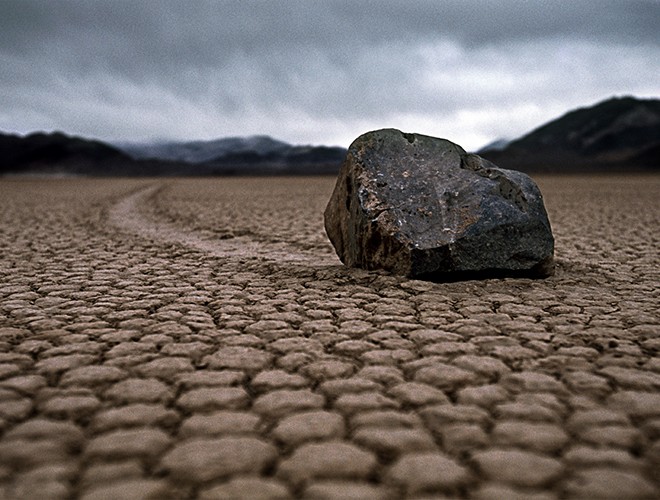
200, 339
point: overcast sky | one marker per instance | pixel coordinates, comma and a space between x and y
318, 71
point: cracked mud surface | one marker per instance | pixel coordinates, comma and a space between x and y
200, 339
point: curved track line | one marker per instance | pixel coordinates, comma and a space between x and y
126, 215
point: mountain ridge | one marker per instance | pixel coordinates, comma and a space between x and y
201, 151
618, 134
621, 134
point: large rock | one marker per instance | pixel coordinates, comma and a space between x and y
421, 206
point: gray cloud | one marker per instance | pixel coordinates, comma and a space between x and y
317, 71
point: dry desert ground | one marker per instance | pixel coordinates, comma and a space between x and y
199, 338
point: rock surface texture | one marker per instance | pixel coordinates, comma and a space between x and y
422, 207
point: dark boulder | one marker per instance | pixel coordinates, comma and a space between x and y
422, 207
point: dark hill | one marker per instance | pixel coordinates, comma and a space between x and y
58, 154
620, 134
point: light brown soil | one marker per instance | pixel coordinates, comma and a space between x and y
198, 338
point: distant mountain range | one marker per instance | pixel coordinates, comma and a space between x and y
56, 154
620, 134
203, 151
240, 155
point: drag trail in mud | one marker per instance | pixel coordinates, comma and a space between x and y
126, 214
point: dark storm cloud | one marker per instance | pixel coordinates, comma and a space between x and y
132, 34
314, 70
